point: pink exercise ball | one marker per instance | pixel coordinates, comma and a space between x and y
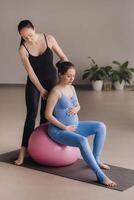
46, 151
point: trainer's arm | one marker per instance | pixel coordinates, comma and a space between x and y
24, 57
57, 49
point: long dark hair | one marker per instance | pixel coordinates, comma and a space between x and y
24, 24
64, 66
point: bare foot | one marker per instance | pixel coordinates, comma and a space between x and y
18, 162
104, 166
108, 182
21, 156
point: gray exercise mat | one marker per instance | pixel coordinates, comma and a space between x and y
78, 171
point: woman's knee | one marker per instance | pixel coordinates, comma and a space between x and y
102, 128
82, 141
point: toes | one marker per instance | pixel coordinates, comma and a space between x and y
112, 184
107, 167
18, 163
109, 183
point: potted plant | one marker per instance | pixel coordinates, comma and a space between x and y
95, 74
121, 75
108, 78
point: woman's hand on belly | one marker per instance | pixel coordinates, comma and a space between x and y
72, 111
71, 128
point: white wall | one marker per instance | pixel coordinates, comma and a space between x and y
103, 29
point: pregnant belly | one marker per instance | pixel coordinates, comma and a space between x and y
69, 119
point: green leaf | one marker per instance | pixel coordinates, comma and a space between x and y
86, 70
116, 62
92, 60
132, 69
124, 65
85, 75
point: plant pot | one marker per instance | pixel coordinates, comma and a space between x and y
118, 85
97, 85
107, 85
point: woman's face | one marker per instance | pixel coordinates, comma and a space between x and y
27, 34
68, 77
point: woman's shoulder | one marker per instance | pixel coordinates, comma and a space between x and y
56, 91
72, 87
21, 48
50, 38
23, 51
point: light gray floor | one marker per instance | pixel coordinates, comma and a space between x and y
116, 109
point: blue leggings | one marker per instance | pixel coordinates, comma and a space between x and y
78, 139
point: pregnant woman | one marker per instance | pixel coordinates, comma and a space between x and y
65, 127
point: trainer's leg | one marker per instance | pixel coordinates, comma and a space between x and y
42, 111
32, 99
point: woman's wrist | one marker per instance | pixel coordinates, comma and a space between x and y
64, 59
42, 90
64, 127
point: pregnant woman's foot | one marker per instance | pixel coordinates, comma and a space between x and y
104, 166
109, 183
103, 179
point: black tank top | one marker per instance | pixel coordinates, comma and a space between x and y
43, 67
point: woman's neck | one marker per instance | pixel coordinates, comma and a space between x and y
63, 85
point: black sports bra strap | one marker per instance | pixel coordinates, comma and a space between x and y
25, 47
46, 39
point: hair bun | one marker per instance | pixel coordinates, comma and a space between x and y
58, 64
63, 64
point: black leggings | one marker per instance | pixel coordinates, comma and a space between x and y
32, 101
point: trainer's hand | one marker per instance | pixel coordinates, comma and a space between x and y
44, 94
71, 128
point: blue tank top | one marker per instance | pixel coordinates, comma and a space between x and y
61, 109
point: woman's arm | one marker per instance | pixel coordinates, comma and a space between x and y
24, 57
51, 102
57, 49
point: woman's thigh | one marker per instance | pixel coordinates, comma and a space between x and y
87, 128
66, 137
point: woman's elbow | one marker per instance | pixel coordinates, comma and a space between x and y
47, 116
